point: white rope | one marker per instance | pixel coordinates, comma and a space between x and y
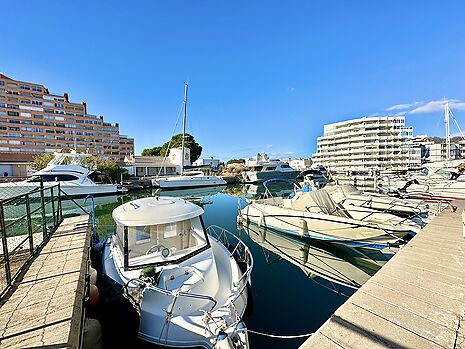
278, 336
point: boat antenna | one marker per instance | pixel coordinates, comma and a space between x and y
184, 127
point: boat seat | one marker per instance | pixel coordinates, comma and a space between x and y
319, 201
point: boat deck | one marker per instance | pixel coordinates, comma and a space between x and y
417, 300
45, 306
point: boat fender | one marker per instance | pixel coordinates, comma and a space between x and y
241, 331
93, 276
94, 296
223, 341
92, 338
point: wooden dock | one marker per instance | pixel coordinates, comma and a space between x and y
417, 300
45, 305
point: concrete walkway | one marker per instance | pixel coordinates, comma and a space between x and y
417, 300
45, 308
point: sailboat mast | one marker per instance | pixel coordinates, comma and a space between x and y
184, 127
447, 124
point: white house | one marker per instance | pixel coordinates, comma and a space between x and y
214, 163
147, 166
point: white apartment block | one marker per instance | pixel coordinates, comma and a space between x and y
366, 145
438, 152
299, 164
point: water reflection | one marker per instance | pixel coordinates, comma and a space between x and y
337, 263
256, 190
198, 195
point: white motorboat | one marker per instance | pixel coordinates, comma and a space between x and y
445, 183
315, 179
188, 287
67, 169
190, 179
337, 263
268, 170
349, 196
315, 215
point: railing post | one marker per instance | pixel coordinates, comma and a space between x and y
29, 225
60, 207
125, 248
6, 256
44, 218
53, 208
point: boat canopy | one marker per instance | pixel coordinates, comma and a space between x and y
155, 210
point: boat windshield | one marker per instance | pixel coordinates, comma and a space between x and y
163, 243
72, 158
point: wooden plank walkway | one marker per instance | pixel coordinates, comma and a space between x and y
45, 307
417, 300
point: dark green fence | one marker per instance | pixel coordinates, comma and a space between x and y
26, 223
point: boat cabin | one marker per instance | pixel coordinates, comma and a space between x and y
158, 231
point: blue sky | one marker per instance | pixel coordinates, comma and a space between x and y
263, 75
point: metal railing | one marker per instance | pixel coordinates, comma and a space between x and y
26, 223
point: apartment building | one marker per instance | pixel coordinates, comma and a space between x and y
367, 145
35, 120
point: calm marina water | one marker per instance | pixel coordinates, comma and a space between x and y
284, 300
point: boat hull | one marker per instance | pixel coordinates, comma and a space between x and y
188, 182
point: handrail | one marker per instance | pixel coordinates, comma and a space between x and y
248, 257
19, 230
174, 293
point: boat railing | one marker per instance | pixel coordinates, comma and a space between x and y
142, 284
240, 252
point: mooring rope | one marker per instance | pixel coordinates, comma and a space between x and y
279, 336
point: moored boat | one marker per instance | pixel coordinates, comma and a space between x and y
315, 215
188, 287
67, 169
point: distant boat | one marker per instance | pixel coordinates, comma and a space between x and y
190, 179
67, 169
269, 170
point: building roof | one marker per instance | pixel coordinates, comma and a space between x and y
16, 157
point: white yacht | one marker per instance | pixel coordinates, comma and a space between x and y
187, 179
269, 170
190, 179
187, 286
67, 169
315, 215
